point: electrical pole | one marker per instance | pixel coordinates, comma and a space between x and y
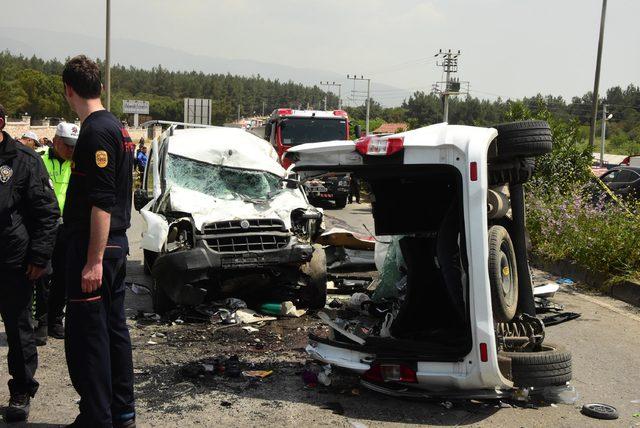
604, 133
263, 104
107, 59
354, 78
596, 83
339, 85
449, 65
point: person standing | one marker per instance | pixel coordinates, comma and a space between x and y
30, 139
354, 190
97, 214
28, 222
50, 288
142, 159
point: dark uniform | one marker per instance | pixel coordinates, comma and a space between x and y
28, 224
97, 343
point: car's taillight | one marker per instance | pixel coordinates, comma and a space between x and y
340, 113
285, 112
379, 146
390, 373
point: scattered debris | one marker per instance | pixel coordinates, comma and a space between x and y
257, 373
447, 404
561, 394
138, 289
347, 239
226, 404
565, 281
250, 329
600, 411
151, 342
556, 319
324, 377
548, 290
249, 316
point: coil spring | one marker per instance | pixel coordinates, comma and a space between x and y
524, 326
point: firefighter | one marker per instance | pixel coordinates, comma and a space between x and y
50, 288
97, 214
28, 221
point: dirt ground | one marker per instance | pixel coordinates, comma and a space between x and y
604, 342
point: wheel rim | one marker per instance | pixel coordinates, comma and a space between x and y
506, 277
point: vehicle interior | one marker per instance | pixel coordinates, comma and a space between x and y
431, 315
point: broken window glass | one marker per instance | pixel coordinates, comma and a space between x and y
220, 181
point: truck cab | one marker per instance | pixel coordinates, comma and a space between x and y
287, 128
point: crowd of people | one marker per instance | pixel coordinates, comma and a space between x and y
65, 206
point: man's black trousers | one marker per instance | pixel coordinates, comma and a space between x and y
16, 292
97, 343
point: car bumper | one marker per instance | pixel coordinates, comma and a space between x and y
178, 273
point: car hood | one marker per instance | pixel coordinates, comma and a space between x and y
206, 209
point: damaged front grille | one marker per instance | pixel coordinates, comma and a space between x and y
241, 236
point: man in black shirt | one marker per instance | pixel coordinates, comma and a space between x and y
28, 221
97, 213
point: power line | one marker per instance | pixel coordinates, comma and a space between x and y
451, 86
353, 93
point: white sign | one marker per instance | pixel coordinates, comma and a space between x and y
135, 106
197, 110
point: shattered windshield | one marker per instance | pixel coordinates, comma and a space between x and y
311, 130
219, 181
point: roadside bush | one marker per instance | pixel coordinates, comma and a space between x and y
563, 223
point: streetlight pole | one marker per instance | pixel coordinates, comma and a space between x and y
596, 83
107, 59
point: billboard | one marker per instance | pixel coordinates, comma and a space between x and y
135, 106
197, 110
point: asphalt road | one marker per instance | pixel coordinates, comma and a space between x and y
604, 341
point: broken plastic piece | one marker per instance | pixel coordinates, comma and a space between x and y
347, 239
257, 373
563, 394
325, 318
248, 316
548, 290
565, 281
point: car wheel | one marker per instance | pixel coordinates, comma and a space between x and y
161, 301
148, 259
511, 172
503, 274
316, 272
523, 139
341, 202
549, 367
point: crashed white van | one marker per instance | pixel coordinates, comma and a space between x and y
464, 323
222, 217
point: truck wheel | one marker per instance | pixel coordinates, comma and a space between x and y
341, 202
503, 274
523, 139
549, 367
161, 302
511, 172
148, 259
316, 271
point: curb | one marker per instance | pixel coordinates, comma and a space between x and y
626, 291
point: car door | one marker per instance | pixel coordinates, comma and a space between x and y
627, 183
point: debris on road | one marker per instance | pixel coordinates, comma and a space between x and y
600, 411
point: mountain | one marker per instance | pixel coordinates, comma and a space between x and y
50, 44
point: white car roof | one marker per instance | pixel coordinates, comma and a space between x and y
229, 147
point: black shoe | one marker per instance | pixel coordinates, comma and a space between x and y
41, 335
18, 410
56, 330
131, 423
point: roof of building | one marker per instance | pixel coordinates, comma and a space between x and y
391, 128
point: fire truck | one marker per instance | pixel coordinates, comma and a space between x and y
287, 128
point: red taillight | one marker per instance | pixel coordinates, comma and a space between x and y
340, 113
390, 373
626, 161
473, 171
376, 146
484, 353
285, 112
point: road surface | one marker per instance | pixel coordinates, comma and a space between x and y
604, 341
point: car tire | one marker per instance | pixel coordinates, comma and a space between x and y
511, 172
340, 202
162, 303
316, 272
148, 259
549, 367
503, 274
523, 139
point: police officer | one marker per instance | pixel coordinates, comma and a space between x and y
50, 288
28, 222
97, 214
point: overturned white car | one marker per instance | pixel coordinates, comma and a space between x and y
223, 218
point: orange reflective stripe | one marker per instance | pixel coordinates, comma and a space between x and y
88, 299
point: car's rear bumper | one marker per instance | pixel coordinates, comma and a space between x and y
178, 273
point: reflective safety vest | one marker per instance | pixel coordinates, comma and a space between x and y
60, 173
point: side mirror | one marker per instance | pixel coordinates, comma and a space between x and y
358, 131
141, 198
267, 131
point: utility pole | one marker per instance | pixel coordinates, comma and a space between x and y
354, 78
107, 59
263, 105
339, 85
449, 65
604, 132
596, 83
238, 113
